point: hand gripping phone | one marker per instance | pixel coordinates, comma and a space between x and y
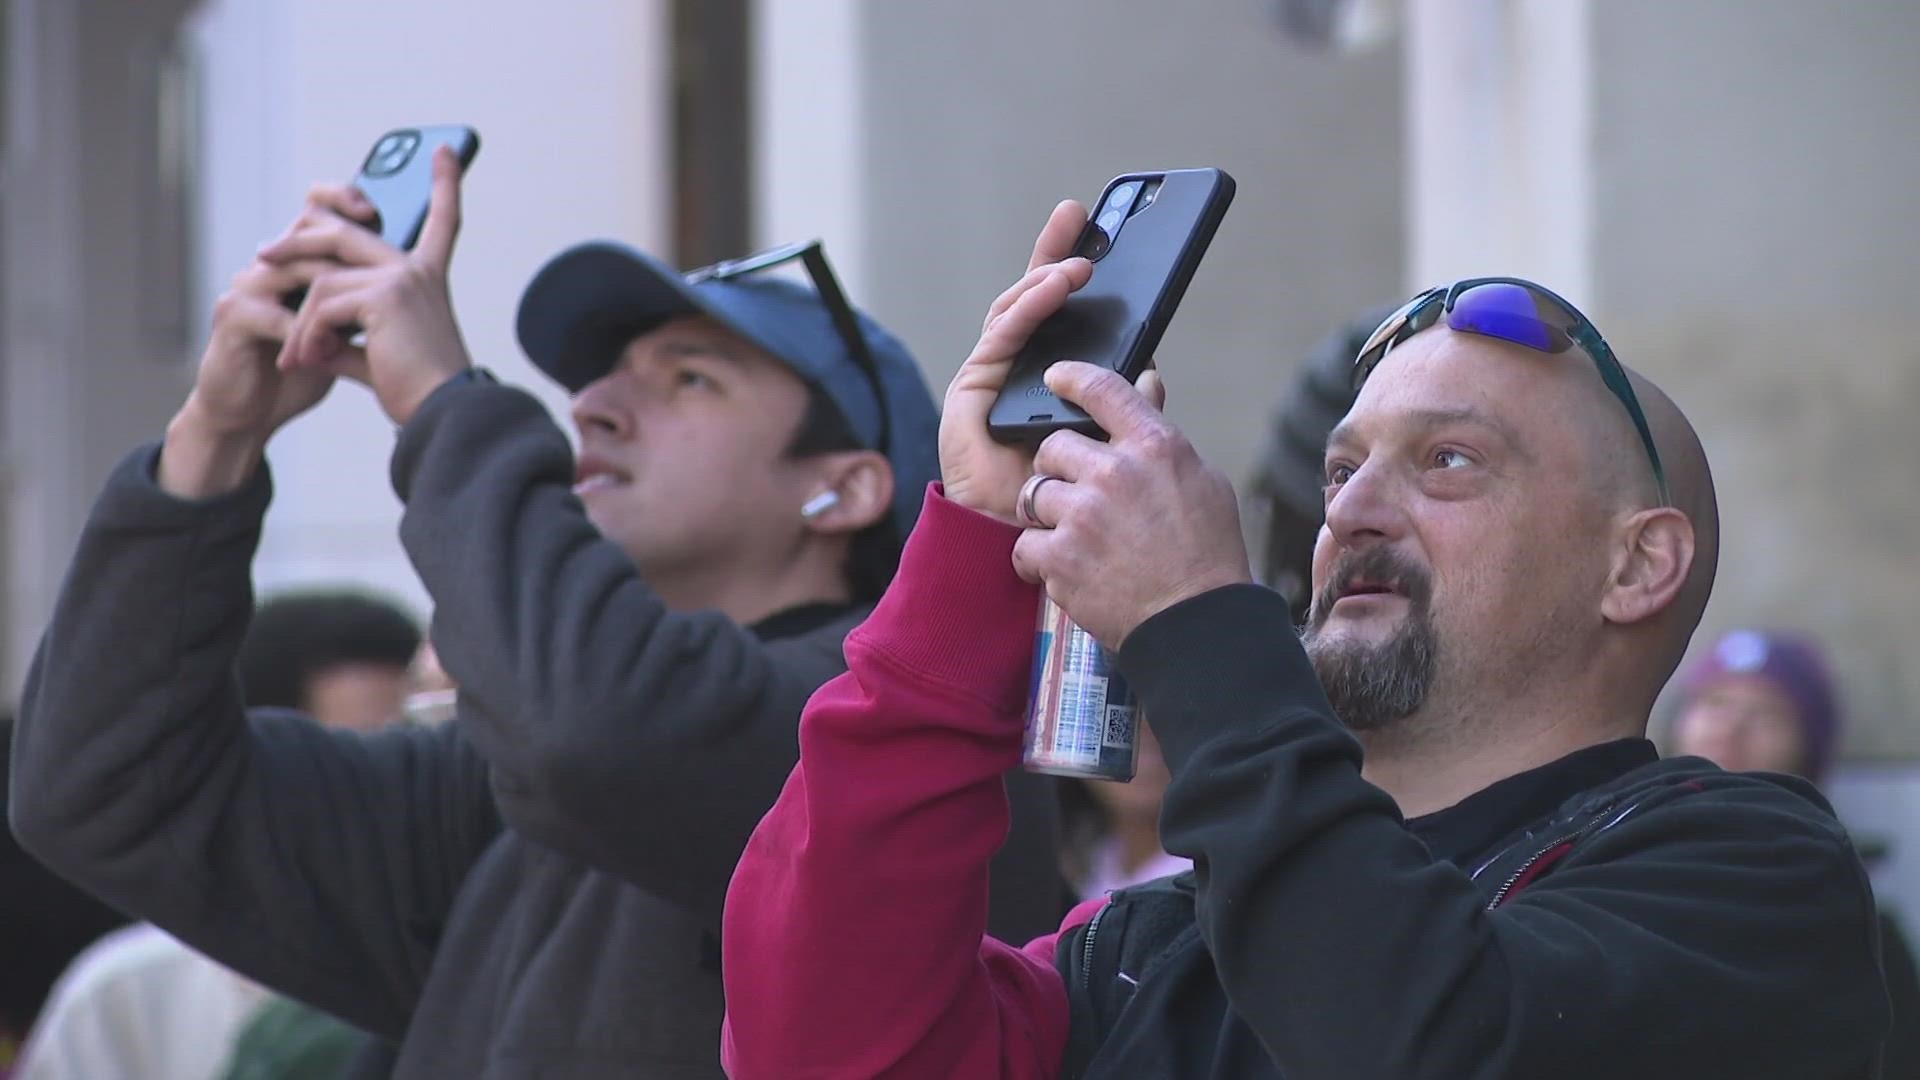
397, 178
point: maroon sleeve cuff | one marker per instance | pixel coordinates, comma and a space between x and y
957, 615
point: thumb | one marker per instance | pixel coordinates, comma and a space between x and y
442, 226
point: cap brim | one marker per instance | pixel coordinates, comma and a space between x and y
587, 302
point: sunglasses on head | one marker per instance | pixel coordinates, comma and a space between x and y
812, 255
1515, 310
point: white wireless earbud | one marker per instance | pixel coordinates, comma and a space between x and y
820, 504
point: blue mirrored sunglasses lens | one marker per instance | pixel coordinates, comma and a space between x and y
1511, 313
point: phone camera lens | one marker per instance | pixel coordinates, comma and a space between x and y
1122, 198
1110, 221
1095, 243
392, 153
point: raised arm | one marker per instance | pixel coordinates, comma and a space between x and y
320, 863
854, 941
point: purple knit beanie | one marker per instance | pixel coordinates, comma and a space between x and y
1790, 662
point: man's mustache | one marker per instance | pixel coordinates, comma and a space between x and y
1380, 566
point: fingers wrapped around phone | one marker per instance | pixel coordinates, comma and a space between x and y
324, 234
346, 200
255, 300
328, 317
1011, 321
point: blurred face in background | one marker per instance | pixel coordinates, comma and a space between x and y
358, 696
1743, 723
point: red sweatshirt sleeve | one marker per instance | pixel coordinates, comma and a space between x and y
855, 930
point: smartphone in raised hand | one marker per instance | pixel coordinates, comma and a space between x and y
1148, 233
397, 178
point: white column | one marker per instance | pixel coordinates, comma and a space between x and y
1500, 141
809, 125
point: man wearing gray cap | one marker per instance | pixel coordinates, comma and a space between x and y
533, 889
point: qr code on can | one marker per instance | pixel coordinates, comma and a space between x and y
1119, 727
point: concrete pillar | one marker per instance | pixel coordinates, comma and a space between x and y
811, 163
91, 255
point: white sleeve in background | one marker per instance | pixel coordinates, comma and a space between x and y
139, 1005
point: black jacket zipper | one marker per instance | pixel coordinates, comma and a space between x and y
1507, 887
1086, 946
1598, 824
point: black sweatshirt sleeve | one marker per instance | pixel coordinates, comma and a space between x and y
319, 863
1724, 933
645, 742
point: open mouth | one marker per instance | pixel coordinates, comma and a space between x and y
593, 475
1367, 588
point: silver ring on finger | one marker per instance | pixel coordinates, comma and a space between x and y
1024, 507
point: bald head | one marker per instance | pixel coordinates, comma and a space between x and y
1690, 491
1622, 468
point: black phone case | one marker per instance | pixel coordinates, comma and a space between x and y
397, 176
1117, 319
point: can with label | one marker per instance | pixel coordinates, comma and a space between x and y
1080, 711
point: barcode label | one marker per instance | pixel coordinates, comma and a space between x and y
1083, 698
1119, 727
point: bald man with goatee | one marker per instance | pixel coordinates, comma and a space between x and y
1429, 836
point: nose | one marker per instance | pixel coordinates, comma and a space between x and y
602, 406
1366, 509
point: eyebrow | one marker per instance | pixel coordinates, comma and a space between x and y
1428, 419
679, 348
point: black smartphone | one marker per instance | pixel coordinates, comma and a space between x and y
397, 178
1148, 233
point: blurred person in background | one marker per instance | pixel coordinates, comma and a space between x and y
141, 1003
342, 657
1110, 832
434, 692
1290, 483
535, 887
1766, 701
